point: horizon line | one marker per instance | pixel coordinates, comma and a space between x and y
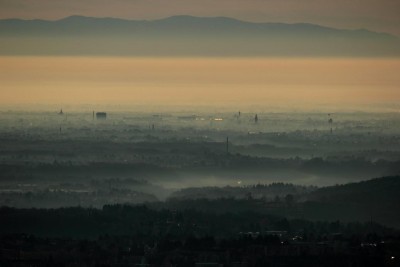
200, 17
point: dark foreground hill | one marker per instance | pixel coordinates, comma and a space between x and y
121, 235
373, 200
244, 231
376, 200
187, 35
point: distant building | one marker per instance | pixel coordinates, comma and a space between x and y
276, 233
192, 117
101, 115
61, 112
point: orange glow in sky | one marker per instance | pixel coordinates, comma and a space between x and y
198, 81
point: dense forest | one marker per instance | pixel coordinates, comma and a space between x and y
376, 200
123, 235
235, 226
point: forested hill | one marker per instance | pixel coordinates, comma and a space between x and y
373, 200
383, 190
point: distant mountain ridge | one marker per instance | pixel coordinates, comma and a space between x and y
188, 35
179, 22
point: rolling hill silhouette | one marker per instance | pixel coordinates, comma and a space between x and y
187, 35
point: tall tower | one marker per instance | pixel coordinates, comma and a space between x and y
256, 119
330, 121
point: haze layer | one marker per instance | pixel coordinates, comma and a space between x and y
286, 82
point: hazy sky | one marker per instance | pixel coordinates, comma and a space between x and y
284, 82
304, 83
378, 15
